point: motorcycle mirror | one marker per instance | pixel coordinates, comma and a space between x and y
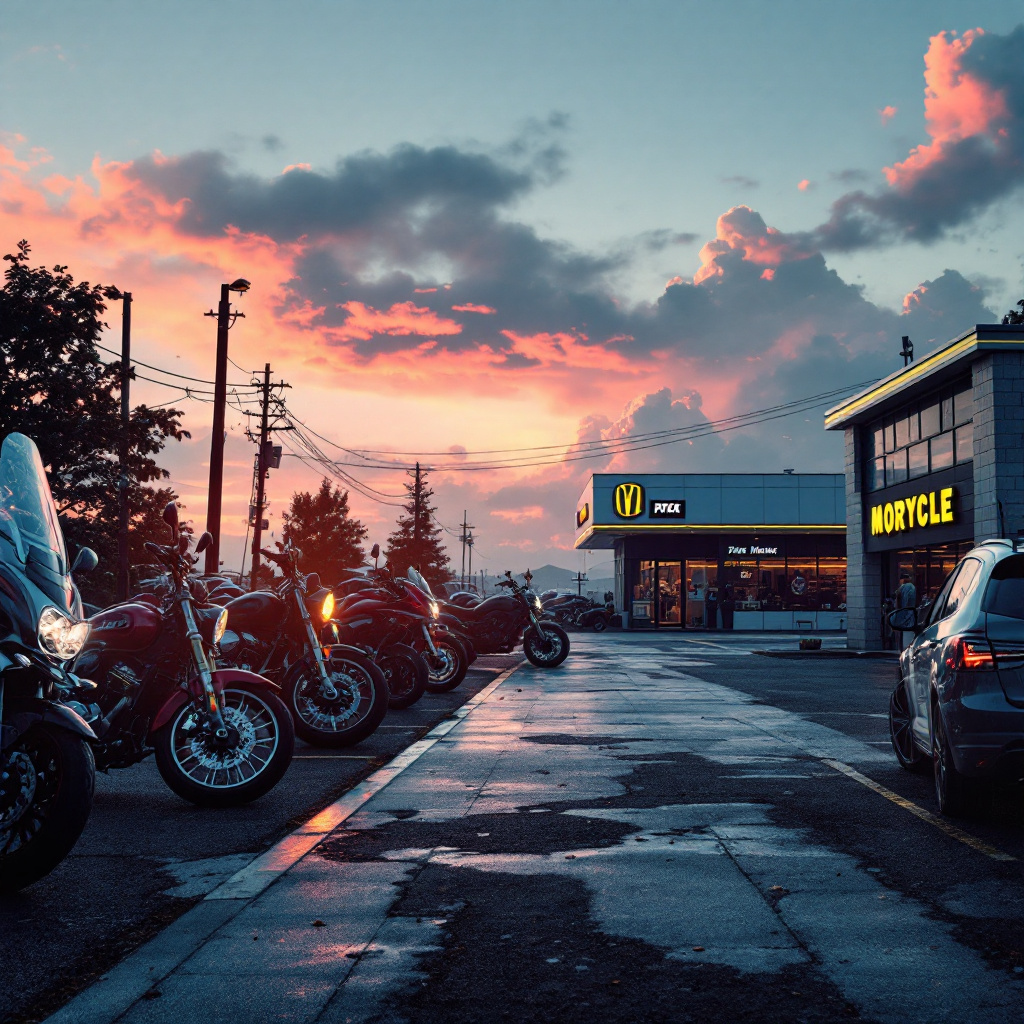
204, 542
85, 560
170, 515
313, 582
375, 553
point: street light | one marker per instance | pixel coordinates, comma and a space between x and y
225, 318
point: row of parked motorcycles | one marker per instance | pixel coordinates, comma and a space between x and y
213, 680
573, 611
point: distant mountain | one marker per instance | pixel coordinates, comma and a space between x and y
552, 577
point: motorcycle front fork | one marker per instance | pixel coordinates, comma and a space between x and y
327, 688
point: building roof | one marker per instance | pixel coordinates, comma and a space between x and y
936, 367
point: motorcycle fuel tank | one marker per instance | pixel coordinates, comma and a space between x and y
259, 613
126, 627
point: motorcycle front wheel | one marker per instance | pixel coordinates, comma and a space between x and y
234, 771
549, 652
449, 668
358, 707
46, 790
406, 675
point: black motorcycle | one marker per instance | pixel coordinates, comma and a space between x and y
335, 693
47, 772
497, 624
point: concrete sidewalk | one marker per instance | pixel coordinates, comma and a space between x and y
523, 827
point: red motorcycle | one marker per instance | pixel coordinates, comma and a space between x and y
222, 737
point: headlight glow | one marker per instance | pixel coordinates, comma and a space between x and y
221, 626
434, 610
536, 603
59, 636
327, 610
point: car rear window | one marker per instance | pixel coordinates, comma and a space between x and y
1005, 593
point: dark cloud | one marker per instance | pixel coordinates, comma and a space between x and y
850, 176
272, 143
742, 180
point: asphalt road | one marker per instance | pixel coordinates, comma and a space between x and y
147, 856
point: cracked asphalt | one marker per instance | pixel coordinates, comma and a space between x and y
664, 829
147, 856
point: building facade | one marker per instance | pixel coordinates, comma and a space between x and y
706, 551
934, 463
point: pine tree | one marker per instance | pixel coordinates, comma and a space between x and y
1015, 316
322, 528
416, 541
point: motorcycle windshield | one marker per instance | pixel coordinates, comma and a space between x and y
416, 578
28, 516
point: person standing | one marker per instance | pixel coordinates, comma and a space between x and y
906, 597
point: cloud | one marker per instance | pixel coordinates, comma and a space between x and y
887, 113
974, 116
804, 185
470, 307
742, 180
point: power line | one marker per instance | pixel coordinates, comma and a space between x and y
171, 373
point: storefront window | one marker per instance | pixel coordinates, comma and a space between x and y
832, 584
896, 467
772, 589
918, 459
699, 574
643, 594
803, 584
741, 580
963, 406
965, 443
930, 420
669, 593
942, 451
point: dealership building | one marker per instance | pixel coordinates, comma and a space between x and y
766, 551
934, 463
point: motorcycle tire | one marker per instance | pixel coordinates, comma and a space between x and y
253, 763
406, 674
550, 654
600, 624
57, 768
452, 667
359, 708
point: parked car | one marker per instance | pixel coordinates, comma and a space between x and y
958, 705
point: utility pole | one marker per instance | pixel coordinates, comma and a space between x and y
466, 527
469, 543
580, 578
416, 512
267, 458
225, 318
261, 475
123, 511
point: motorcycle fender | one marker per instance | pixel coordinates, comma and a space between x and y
343, 649
21, 714
222, 677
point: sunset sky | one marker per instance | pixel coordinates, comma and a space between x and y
475, 226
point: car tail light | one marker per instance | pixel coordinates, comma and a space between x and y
973, 655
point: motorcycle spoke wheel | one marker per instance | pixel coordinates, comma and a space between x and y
549, 652
254, 736
351, 705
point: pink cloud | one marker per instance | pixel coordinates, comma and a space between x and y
804, 185
470, 307
515, 514
743, 230
402, 318
887, 113
957, 105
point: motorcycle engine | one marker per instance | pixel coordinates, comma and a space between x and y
243, 650
123, 680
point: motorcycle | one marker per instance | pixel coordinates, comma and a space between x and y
335, 692
222, 737
383, 611
498, 623
47, 774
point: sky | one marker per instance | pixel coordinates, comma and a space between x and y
474, 226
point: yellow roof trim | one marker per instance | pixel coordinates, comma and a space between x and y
709, 527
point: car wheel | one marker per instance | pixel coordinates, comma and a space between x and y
901, 731
951, 788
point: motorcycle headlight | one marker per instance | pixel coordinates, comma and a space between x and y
434, 610
327, 609
221, 626
536, 603
59, 636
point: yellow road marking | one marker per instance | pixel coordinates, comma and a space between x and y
908, 805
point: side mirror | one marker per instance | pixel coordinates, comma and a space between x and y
170, 514
904, 620
204, 542
375, 554
85, 560
313, 582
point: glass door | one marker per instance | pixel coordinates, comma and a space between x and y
670, 594
699, 573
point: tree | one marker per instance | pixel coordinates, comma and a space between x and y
1015, 316
322, 528
57, 390
417, 539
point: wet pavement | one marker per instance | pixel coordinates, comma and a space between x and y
664, 829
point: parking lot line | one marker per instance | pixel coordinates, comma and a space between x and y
908, 805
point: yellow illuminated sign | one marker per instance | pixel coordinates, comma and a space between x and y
629, 500
582, 514
929, 508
